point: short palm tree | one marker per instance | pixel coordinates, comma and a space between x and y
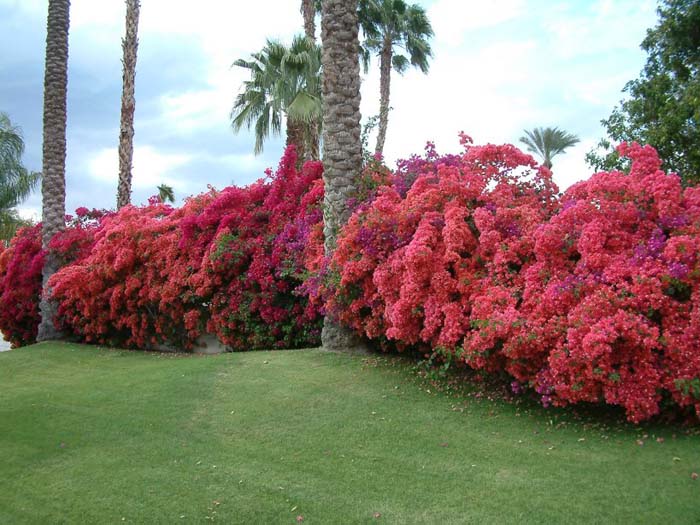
284, 85
166, 193
548, 143
399, 35
16, 182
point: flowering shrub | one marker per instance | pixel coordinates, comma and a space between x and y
20, 271
611, 308
20, 284
409, 265
592, 297
227, 263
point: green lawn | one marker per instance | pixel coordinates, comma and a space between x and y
90, 435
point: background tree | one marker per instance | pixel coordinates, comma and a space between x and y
284, 85
342, 149
548, 143
391, 25
166, 193
53, 181
309, 8
663, 107
16, 182
130, 44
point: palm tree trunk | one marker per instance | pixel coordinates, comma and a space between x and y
342, 149
313, 137
296, 134
308, 9
130, 45
53, 181
384, 89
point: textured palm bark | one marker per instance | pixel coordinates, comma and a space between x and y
53, 181
308, 9
313, 138
130, 44
342, 149
384, 90
296, 134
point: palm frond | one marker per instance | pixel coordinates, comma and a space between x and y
305, 108
548, 142
283, 82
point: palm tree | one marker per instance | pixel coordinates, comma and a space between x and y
130, 44
284, 85
388, 25
166, 193
53, 181
547, 143
16, 182
342, 148
309, 8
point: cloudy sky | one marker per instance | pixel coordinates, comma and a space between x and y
499, 67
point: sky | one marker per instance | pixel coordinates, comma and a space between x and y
499, 67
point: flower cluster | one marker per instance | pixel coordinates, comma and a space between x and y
611, 306
20, 285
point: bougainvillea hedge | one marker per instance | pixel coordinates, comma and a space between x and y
591, 297
473, 258
20, 271
227, 263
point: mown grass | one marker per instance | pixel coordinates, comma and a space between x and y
91, 435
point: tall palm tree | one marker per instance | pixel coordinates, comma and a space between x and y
398, 34
130, 45
548, 143
16, 182
284, 85
342, 148
53, 181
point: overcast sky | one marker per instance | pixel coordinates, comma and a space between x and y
500, 66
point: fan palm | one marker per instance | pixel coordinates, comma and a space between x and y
284, 84
16, 182
398, 34
548, 143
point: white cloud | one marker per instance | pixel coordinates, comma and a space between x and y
463, 92
150, 167
571, 167
29, 213
194, 110
499, 66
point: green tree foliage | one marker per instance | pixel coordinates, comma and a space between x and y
16, 182
547, 143
399, 35
663, 107
284, 84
